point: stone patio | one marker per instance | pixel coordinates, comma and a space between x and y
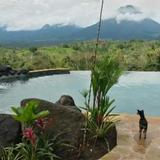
129, 146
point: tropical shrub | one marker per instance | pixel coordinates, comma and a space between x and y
28, 114
99, 109
137, 55
35, 143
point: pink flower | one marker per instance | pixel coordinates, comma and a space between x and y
41, 123
29, 134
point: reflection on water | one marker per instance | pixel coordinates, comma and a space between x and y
134, 90
13, 80
3, 88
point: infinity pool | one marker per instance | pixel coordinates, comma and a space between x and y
135, 90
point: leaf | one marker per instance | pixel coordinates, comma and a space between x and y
41, 114
28, 114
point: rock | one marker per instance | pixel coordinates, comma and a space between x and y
69, 121
66, 100
66, 120
10, 130
18, 72
5, 68
12, 72
24, 71
112, 137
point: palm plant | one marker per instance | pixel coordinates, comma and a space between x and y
99, 115
104, 75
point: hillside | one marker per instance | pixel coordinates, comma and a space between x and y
128, 24
124, 30
132, 55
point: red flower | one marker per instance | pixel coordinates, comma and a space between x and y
41, 123
99, 119
29, 134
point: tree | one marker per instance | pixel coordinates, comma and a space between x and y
33, 49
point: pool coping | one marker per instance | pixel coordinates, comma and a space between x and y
129, 146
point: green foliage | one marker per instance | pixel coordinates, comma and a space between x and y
28, 114
99, 115
35, 145
104, 75
101, 119
10, 153
47, 147
33, 49
132, 55
44, 149
100, 131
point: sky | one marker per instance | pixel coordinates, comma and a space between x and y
34, 14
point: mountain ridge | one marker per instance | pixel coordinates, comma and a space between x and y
125, 29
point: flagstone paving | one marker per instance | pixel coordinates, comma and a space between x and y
129, 146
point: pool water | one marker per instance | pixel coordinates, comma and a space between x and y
135, 90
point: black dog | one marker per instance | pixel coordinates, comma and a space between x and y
143, 124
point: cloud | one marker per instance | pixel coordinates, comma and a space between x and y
33, 14
149, 8
129, 12
128, 16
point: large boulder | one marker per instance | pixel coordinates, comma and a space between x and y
68, 120
66, 100
10, 130
65, 120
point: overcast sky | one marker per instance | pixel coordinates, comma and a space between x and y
33, 14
